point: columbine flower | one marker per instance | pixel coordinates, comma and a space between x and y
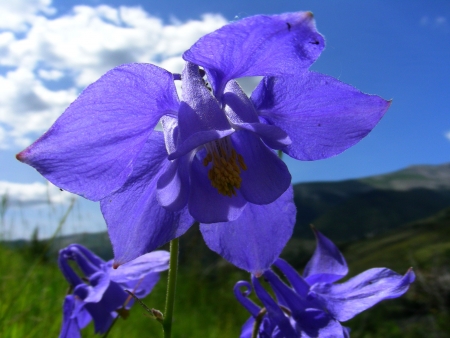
213, 161
314, 305
100, 294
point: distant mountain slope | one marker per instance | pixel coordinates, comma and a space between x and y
423, 244
97, 242
354, 209
345, 211
414, 177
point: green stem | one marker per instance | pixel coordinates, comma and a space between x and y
109, 330
171, 286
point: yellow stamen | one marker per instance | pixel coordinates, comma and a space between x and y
225, 171
241, 162
207, 159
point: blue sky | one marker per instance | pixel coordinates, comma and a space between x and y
400, 50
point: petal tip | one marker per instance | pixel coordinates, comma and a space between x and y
316, 232
412, 276
258, 274
309, 15
21, 156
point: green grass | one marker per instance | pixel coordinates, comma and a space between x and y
30, 297
31, 301
423, 244
425, 310
32, 289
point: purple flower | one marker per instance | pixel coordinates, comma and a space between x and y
100, 293
314, 305
213, 162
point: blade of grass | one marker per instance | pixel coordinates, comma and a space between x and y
30, 271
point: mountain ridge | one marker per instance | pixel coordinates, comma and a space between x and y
360, 208
346, 211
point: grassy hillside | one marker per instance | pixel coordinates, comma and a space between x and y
398, 221
378, 211
432, 177
425, 310
32, 291
424, 244
360, 208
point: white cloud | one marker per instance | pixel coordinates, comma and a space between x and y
50, 74
17, 15
447, 135
27, 106
441, 21
2, 139
424, 20
32, 194
438, 22
248, 84
71, 51
27, 207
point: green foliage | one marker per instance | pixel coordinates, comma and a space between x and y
360, 208
32, 288
353, 217
32, 296
425, 310
32, 293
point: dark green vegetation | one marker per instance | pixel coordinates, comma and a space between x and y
355, 209
425, 310
397, 221
32, 295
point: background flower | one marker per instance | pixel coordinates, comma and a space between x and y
100, 292
314, 305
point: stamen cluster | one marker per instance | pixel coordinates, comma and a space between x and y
225, 171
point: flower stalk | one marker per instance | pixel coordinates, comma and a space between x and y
171, 286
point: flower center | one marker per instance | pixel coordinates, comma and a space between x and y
226, 166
